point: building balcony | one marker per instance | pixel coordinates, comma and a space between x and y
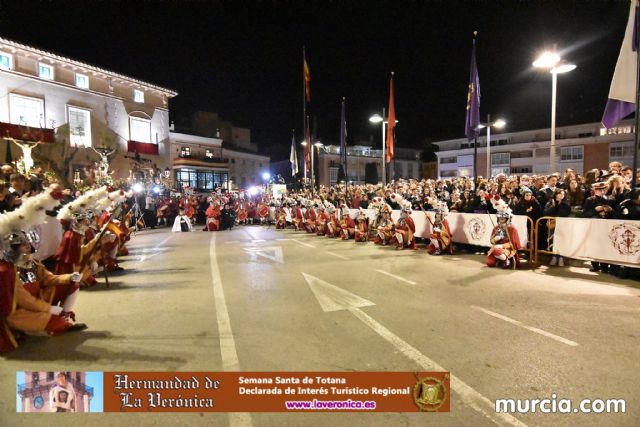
200, 160
142, 148
26, 133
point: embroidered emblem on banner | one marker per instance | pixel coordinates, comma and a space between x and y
430, 393
476, 228
625, 238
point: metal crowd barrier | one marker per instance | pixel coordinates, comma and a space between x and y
550, 223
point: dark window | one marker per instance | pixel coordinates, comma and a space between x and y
35, 377
233, 160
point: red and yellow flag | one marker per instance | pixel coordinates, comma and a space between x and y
307, 80
391, 123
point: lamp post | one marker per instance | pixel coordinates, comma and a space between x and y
377, 118
551, 61
498, 124
316, 145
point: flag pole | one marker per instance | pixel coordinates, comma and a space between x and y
637, 116
304, 115
475, 139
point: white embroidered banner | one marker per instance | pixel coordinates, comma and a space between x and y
606, 240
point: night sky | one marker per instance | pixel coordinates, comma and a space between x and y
243, 59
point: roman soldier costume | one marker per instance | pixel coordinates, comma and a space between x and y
404, 229
385, 227
297, 218
361, 232
310, 218
333, 226
213, 217
440, 237
504, 239
347, 224
24, 282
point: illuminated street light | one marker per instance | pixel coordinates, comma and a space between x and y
498, 124
551, 61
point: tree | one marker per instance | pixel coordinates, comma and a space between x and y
371, 173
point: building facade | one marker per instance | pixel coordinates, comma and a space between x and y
203, 164
580, 147
34, 393
198, 162
406, 164
73, 107
245, 168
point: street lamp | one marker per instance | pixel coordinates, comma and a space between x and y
498, 124
377, 118
316, 144
551, 61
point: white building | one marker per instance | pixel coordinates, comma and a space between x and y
85, 106
580, 147
203, 164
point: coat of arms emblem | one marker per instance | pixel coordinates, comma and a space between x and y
625, 238
476, 228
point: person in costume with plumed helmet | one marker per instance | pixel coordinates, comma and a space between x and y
310, 217
361, 232
440, 238
504, 239
347, 224
405, 228
25, 284
385, 228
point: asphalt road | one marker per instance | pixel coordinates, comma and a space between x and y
502, 334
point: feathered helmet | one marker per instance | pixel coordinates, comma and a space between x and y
439, 206
112, 199
344, 210
81, 208
16, 227
361, 214
502, 208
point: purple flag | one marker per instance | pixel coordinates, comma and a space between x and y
343, 142
473, 99
622, 94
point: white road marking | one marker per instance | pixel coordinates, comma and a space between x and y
282, 240
230, 242
530, 328
228, 351
273, 253
333, 298
157, 247
337, 255
258, 240
397, 277
303, 244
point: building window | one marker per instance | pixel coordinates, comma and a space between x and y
203, 180
522, 169
82, 81
448, 174
233, 160
333, 176
208, 154
6, 61
260, 165
185, 151
521, 154
140, 129
26, 111
616, 130
79, 126
35, 377
444, 160
620, 151
45, 71
499, 159
568, 154
138, 96
496, 171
